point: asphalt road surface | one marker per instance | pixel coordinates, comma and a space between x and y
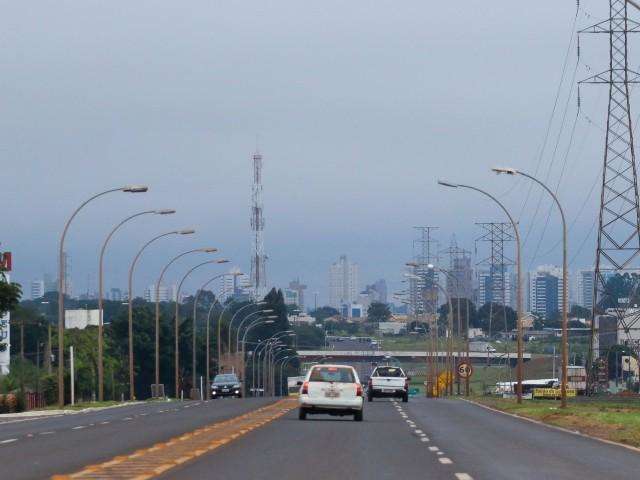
431, 439
39, 448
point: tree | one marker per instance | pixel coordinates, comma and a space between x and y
378, 312
492, 317
579, 312
10, 294
465, 305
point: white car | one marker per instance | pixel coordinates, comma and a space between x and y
333, 390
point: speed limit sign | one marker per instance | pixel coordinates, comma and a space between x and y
465, 370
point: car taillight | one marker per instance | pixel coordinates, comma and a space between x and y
358, 390
305, 388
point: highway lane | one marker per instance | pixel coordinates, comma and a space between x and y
491, 445
383, 446
433, 439
46, 446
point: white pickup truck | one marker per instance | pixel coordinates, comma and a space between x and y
386, 381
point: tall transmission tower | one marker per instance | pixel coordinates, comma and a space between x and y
423, 293
618, 247
258, 257
493, 279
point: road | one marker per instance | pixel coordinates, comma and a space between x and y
39, 448
433, 439
448, 439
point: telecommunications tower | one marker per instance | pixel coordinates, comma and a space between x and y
258, 257
618, 248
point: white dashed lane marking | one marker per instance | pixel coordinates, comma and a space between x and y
463, 476
9, 440
47, 433
445, 461
79, 427
424, 439
433, 449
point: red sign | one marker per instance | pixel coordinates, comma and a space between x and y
5, 261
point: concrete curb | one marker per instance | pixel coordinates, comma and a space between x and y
49, 413
554, 427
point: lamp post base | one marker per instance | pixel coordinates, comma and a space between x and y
157, 390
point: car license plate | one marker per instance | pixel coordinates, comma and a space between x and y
332, 394
388, 390
225, 390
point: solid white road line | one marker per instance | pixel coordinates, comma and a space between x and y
445, 461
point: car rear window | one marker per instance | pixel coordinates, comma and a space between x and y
332, 374
225, 378
388, 372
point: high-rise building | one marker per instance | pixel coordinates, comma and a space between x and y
291, 297
584, 288
378, 291
495, 286
343, 283
115, 295
460, 280
233, 285
299, 288
165, 294
545, 290
37, 289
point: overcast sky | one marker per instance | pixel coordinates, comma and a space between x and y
358, 107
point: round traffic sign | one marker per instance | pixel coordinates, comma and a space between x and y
465, 370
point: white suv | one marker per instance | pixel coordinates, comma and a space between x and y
331, 389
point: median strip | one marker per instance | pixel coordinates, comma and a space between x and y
150, 462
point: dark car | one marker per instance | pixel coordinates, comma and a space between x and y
226, 385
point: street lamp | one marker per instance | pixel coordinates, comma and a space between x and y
177, 319
130, 300
565, 280
239, 329
195, 312
243, 319
237, 312
519, 300
157, 292
255, 323
449, 354
61, 280
101, 292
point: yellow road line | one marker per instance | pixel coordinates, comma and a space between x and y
153, 461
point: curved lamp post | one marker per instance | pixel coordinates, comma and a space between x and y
177, 319
239, 329
130, 302
101, 291
62, 275
193, 339
166, 267
450, 324
519, 300
565, 281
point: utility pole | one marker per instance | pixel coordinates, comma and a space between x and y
618, 246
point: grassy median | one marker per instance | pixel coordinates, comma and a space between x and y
617, 420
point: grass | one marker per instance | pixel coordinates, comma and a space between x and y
616, 420
83, 405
